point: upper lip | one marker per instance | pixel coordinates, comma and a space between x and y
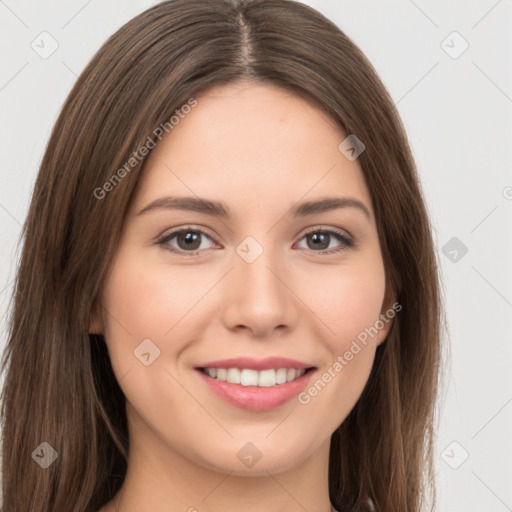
267, 363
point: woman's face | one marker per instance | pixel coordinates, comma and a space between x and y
259, 276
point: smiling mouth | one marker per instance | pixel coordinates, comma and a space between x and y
262, 378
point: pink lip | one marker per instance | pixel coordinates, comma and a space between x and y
255, 398
257, 364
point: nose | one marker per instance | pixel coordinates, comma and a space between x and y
260, 297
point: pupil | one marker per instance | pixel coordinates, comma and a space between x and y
317, 237
189, 238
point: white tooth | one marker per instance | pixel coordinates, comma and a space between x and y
233, 375
267, 378
281, 376
249, 377
290, 374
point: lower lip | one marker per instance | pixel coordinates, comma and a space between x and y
256, 398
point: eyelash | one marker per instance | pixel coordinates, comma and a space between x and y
348, 243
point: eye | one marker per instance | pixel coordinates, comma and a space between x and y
320, 240
188, 240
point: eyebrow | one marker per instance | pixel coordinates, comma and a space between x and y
219, 209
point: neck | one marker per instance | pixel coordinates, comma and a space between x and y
159, 479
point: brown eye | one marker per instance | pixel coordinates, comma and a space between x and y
319, 240
186, 240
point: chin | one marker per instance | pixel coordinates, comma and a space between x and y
246, 458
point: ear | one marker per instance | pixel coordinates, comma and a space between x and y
96, 320
390, 308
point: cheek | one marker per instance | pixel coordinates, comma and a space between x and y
140, 304
347, 301
148, 300
157, 303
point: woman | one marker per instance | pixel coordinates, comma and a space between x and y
228, 294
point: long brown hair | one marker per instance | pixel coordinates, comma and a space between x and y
59, 385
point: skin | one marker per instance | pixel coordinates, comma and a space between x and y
260, 150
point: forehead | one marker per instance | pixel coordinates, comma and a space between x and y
252, 145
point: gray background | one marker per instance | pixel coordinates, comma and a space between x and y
457, 112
